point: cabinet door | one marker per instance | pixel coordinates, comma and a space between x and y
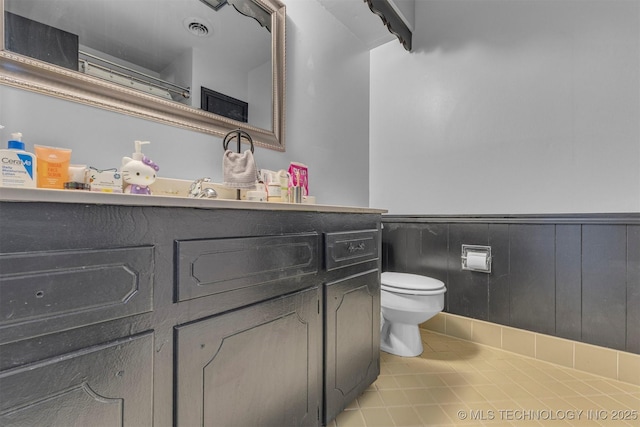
255, 366
352, 339
106, 385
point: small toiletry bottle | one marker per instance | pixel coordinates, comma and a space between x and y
283, 178
18, 165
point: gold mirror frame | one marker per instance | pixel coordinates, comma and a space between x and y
37, 76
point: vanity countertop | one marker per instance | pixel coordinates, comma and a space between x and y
99, 198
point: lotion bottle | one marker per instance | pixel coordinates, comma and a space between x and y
18, 165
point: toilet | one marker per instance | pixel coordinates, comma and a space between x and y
407, 300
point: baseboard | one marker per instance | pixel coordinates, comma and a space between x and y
606, 362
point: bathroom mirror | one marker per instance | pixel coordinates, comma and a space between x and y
171, 61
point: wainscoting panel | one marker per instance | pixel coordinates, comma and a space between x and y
570, 276
499, 308
568, 281
633, 288
532, 282
604, 285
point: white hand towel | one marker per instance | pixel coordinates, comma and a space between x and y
239, 169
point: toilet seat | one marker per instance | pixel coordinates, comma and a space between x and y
411, 284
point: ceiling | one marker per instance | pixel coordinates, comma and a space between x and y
358, 18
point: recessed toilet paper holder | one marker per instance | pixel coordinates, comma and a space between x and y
476, 258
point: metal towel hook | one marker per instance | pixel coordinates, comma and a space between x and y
236, 134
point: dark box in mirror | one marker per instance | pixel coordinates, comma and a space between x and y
40, 41
224, 105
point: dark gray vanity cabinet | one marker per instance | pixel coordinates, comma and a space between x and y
124, 315
352, 317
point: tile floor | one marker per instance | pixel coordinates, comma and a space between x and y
456, 382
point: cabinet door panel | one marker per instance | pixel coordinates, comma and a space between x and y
252, 367
109, 385
352, 339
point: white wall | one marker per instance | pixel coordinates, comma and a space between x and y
218, 76
327, 93
180, 72
260, 90
509, 107
328, 104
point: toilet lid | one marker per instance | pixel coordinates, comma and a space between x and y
410, 282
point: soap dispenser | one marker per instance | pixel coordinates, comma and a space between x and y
18, 165
138, 171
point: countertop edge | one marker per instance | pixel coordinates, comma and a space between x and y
34, 195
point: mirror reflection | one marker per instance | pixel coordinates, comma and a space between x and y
209, 54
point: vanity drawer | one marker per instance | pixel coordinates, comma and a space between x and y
343, 249
52, 291
242, 265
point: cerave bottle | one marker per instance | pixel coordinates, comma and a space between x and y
18, 166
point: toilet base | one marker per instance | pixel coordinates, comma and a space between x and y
400, 339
